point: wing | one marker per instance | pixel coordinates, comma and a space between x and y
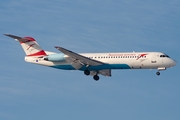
77, 60
102, 72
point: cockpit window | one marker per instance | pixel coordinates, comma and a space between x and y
164, 56
167, 56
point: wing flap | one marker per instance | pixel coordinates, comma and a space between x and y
75, 63
106, 73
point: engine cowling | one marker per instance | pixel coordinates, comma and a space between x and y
55, 58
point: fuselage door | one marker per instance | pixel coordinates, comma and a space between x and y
153, 59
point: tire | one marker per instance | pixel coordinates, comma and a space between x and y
87, 72
158, 73
96, 77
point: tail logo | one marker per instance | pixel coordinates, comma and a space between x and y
30, 46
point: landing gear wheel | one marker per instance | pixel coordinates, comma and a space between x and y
158, 73
96, 77
87, 72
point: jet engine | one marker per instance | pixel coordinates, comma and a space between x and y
55, 58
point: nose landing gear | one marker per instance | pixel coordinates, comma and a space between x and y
158, 73
160, 69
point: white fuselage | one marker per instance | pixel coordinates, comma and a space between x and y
125, 60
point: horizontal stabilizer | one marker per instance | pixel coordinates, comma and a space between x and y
20, 39
13, 36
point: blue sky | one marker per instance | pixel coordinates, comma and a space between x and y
30, 91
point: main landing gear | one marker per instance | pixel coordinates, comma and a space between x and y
95, 77
87, 72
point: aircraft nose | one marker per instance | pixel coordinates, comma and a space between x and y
173, 62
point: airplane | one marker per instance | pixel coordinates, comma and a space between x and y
93, 63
